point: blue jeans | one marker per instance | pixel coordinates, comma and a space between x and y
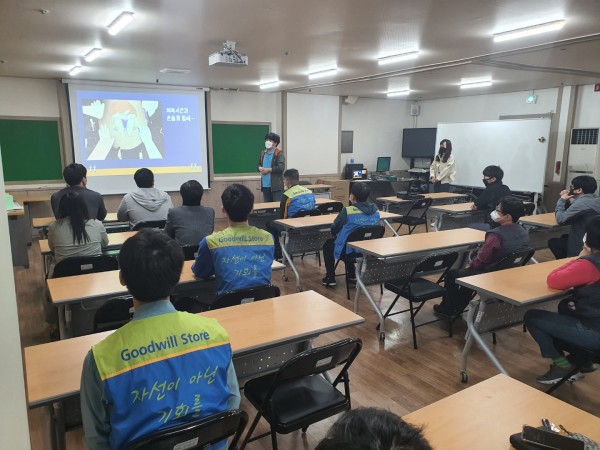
271, 196
545, 326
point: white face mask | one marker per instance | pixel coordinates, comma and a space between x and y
495, 215
584, 239
268, 144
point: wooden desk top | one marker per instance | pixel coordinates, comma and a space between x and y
33, 198
114, 240
455, 208
275, 205
417, 243
518, 286
41, 222
317, 186
53, 370
547, 220
106, 284
432, 195
485, 415
15, 212
327, 219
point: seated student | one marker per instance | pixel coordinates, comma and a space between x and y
73, 233
240, 256
76, 177
359, 214
372, 429
506, 238
146, 203
491, 195
190, 223
141, 378
295, 199
578, 318
574, 207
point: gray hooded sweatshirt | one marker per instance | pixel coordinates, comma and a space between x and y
144, 204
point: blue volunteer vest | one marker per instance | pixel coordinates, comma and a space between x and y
162, 371
299, 199
242, 257
356, 219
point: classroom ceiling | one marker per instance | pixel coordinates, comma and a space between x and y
286, 39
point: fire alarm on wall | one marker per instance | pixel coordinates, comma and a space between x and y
415, 109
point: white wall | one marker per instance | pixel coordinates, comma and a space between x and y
232, 106
587, 114
26, 97
377, 126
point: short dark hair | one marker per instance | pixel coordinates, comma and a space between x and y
273, 137
238, 202
372, 429
513, 206
74, 173
292, 174
586, 183
592, 233
494, 172
150, 263
191, 193
144, 178
361, 191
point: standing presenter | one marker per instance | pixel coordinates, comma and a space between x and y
271, 166
443, 171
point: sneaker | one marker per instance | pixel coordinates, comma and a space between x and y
555, 374
588, 367
440, 311
328, 281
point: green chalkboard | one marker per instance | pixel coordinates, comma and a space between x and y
237, 146
30, 150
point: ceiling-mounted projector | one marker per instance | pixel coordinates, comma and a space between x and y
229, 56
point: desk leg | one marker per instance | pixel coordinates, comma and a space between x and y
362, 287
473, 317
62, 321
58, 431
390, 227
287, 257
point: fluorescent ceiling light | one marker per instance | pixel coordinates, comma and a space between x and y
322, 73
75, 71
92, 54
397, 58
476, 84
529, 31
272, 84
398, 93
120, 22
175, 70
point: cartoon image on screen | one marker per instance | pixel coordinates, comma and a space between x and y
123, 129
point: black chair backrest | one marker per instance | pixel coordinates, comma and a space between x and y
190, 251
515, 259
307, 212
304, 183
419, 207
529, 208
245, 296
320, 360
113, 314
364, 233
80, 265
197, 434
441, 262
150, 224
189, 304
330, 207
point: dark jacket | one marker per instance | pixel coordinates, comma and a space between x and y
585, 300
92, 199
190, 224
489, 199
576, 212
278, 167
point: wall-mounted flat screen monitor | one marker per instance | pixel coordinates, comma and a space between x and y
419, 142
383, 163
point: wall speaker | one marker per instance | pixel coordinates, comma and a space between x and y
415, 109
350, 100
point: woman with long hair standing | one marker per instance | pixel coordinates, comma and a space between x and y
443, 171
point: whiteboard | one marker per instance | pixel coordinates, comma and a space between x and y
514, 145
313, 131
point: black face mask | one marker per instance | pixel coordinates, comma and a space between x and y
486, 182
572, 192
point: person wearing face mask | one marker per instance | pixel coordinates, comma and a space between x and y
574, 207
443, 169
489, 198
506, 238
271, 165
578, 318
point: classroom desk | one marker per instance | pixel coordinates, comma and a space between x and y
102, 286
541, 228
485, 415
449, 217
41, 223
322, 190
308, 234
264, 206
504, 297
17, 229
391, 258
279, 328
25, 201
265, 212
439, 198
